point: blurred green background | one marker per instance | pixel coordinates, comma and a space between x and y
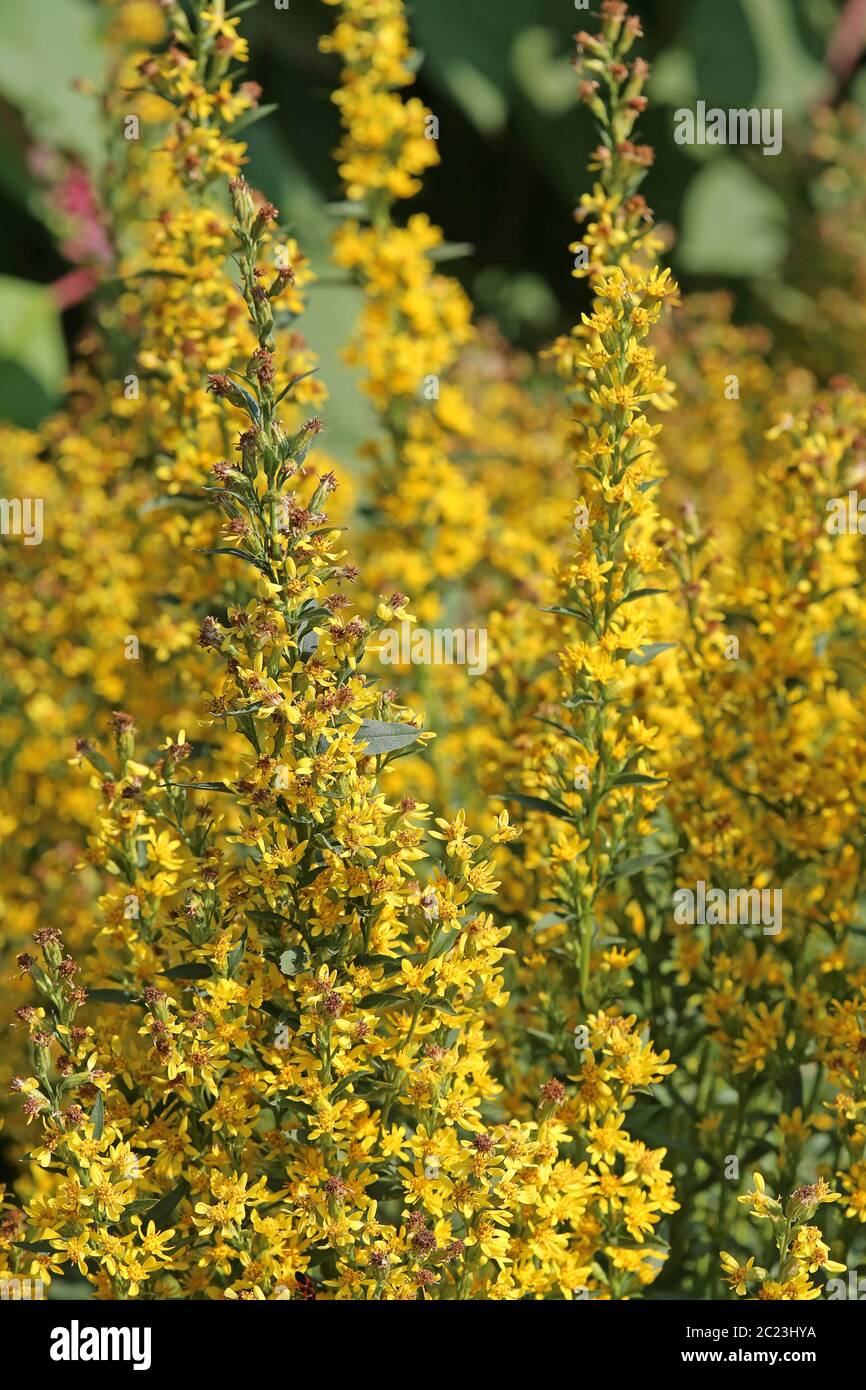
513, 141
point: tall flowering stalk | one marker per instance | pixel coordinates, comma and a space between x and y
414, 321
462, 502
589, 787
596, 776
85, 620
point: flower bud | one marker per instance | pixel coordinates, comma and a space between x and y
242, 203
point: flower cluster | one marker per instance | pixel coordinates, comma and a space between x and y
801, 1249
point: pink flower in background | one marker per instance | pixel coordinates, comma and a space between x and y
70, 206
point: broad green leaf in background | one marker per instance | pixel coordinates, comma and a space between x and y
44, 47
790, 77
519, 301
749, 53
14, 179
721, 43
468, 51
673, 80
481, 99
732, 223
32, 351
545, 73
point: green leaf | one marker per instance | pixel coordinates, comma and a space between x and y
100, 762
310, 615
162, 1211
638, 779
649, 653
111, 996
640, 862
550, 919
374, 961
31, 337
381, 999
97, 1116
176, 501
546, 1038
544, 71
381, 737
23, 402
790, 76
482, 101
250, 117
640, 593
261, 565
442, 942
468, 49
44, 48
192, 971
281, 1013
443, 1005
579, 613
720, 43
452, 251
293, 961
201, 786
137, 1207
357, 212
239, 713
236, 956
732, 223
553, 724
538, 803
